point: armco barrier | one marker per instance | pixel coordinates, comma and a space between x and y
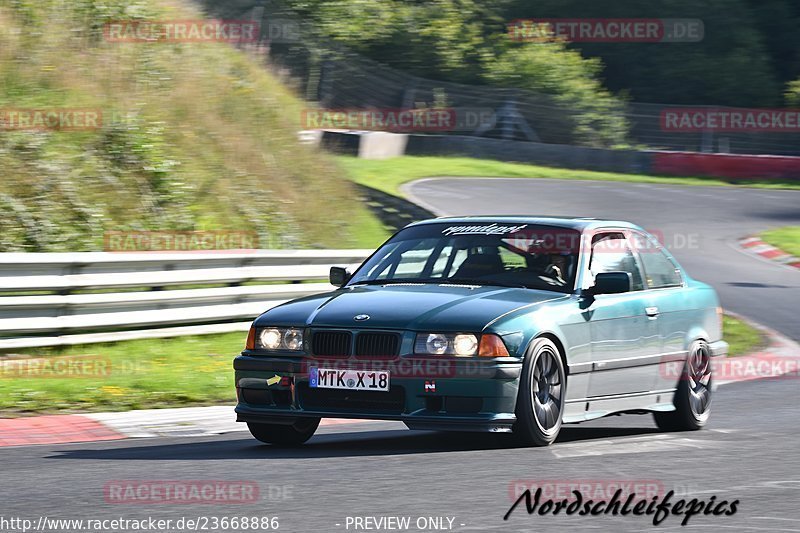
144, 290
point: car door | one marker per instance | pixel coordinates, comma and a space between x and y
624, 340
667, 304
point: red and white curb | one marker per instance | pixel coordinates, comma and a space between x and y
780, 359
756, 246
90, 427
54, 429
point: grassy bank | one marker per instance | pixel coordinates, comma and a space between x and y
155, 373
192, 136
787, 239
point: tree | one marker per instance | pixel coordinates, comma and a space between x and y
440, 39
730, 66
573, 81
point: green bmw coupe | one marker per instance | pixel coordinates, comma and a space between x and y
502, 324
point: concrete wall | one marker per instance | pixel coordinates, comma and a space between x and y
366, 145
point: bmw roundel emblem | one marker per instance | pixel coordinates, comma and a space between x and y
361, 318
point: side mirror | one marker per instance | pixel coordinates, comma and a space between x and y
339, 276
610, 283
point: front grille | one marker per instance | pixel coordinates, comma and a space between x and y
331, 343
392, 402
377, 344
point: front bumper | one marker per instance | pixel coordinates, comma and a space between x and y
424, 393
718, 349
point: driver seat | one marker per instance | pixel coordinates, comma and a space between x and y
480, 265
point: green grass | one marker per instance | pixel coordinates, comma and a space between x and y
387, 175
141, 374
178, 372
742, 337
787, 239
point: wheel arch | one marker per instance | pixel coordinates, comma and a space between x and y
562, 352
696, 333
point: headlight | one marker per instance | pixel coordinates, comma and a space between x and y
270, 339
293, 339
436, 343
280, 339
465, 344
461, 344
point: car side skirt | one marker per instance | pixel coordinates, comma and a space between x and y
583, 409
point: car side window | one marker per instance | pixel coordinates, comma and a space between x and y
405, 262
659, 270
611, 252
448, 261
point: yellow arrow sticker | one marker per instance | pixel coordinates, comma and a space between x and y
274, 380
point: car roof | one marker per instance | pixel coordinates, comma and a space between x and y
577, 223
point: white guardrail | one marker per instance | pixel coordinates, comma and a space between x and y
50, 299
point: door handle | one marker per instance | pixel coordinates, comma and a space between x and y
652, 312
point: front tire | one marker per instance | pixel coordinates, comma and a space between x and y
542, 391
693, 396
285, 434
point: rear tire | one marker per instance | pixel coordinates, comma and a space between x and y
542, 391
283, 434
693, 397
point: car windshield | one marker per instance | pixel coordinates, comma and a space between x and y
500, 254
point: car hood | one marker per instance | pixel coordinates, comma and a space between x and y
409, 307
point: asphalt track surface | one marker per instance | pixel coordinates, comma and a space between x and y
747, 453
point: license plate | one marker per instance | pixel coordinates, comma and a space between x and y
324, 378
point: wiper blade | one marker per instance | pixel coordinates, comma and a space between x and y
391, 281
482, 282
442, 281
